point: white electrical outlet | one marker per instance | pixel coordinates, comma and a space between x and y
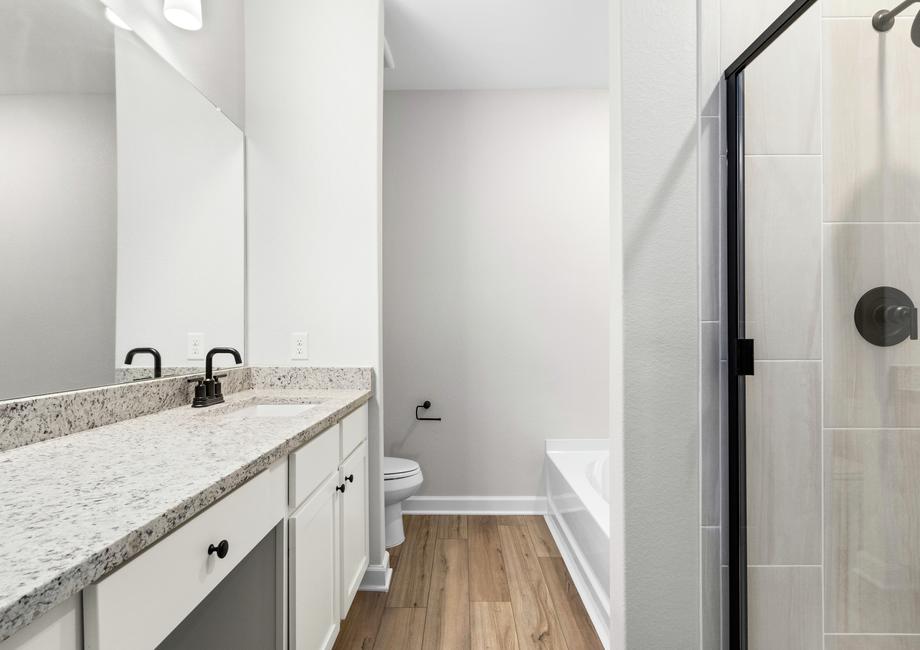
195, 345
300, 346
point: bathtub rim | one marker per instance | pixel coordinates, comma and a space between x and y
589, 586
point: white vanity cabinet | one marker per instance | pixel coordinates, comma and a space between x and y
328, 531
313, 570
139, 604
316, 502
353, 504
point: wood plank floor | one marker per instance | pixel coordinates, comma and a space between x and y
472, 583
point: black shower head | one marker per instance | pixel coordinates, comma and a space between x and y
883, 20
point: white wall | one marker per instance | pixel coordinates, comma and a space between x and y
181, 229
57, 246
496, 222
212, 58
617, 629
314, 83
661, 441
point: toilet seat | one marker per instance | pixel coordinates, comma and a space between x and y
397, 468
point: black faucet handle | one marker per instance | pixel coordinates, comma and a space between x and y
201, 394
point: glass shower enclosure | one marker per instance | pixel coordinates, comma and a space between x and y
822, 260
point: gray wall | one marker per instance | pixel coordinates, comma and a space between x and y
57, 198
496, 227
661, 444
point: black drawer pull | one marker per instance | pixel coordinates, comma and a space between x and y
221, 549
340, 488
350, 478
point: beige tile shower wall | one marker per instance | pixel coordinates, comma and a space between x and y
784, 464
866, 642
871, 478
784, 147
711, 299
871, 129
782, 108
783, 255
784, 608
868, 386
872, 538
861, 8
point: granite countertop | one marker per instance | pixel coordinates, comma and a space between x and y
75, 508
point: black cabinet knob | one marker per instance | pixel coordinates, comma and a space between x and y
350, 478
340, 488
221, 549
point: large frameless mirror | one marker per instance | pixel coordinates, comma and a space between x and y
122, 206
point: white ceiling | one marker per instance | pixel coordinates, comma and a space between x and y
497, 44
55, 46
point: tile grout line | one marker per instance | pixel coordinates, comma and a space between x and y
821, 262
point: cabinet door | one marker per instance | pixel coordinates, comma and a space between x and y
354, 524
313, 546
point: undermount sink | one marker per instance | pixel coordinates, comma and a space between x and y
271, 411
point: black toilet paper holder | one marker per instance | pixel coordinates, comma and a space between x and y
426, 405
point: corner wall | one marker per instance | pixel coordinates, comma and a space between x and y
313, 109
661, 442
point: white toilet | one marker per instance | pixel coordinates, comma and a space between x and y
401, 479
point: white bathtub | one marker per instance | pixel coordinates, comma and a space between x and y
577, 490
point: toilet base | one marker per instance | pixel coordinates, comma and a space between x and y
395, 534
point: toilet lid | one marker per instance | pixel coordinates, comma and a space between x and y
399, 467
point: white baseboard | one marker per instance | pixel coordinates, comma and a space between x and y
595, 609
475, 506
377, 576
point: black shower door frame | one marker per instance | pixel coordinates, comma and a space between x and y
740, 349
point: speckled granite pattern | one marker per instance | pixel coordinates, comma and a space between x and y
127, 374
76, 507
34, 419
313, 378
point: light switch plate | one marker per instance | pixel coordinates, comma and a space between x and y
195, 345
300, 346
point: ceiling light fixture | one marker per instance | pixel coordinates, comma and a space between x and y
116, 20
184, 14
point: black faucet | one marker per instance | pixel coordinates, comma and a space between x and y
157, 361
209, 391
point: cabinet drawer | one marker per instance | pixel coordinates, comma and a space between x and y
354, 431
311, 464
139, 604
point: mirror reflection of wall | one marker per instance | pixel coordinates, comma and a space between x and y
121, 198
